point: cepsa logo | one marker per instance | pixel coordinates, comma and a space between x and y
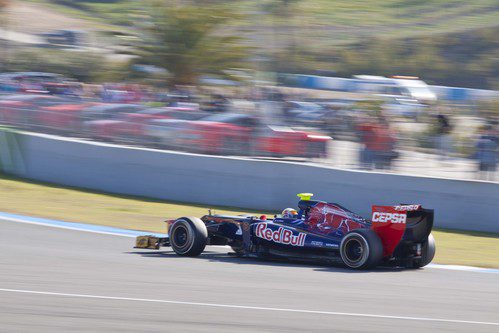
389, 217
281, 235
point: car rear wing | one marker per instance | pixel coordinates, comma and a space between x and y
410, 223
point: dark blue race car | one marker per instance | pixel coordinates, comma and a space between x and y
394, 236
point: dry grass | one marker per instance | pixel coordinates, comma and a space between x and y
73, 205
36, 18
467, 248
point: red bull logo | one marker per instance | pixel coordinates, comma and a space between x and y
281, 235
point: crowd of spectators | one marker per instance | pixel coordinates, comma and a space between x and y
374, 130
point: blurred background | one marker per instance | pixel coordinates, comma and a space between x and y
401, 86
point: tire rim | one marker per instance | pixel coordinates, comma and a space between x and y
181, 238
354, 252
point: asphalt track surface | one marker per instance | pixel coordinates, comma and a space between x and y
57, 280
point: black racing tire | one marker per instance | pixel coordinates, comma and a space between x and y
188, 236
428, 250
361, 249
316, 150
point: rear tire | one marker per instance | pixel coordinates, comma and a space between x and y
428, 250
188, 236
361, 249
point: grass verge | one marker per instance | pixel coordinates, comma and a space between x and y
75, 205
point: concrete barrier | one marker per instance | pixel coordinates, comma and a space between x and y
269, 185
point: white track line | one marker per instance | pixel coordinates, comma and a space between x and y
258, 308
11, 219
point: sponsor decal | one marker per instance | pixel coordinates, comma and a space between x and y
330, 209
383, 217
219, 220
332, 245
281, 235
316, 243
407, 208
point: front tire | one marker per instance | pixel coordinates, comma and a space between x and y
361, 249
188, 236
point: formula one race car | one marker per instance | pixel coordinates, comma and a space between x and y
320, 231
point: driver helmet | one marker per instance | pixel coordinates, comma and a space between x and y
289, 213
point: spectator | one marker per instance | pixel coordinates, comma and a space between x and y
444, 138
220, 104
367, 133
383, 145
486, 153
